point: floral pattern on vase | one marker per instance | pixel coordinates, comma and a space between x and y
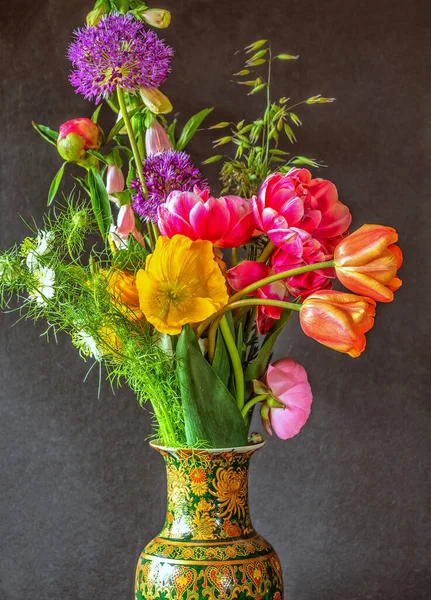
208, 548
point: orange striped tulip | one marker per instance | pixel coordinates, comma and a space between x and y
366, 262
338, 320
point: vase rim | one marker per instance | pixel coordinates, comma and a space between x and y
239, 449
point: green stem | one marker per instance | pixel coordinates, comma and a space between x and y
266, 252
283, 275
132, 138
252, 403
235, 359
268, 104
240, 304
234, 257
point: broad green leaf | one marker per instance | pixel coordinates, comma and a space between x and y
48, 134
255, 46
221, 362
286, 57
257, 368
98, 156
95, 115
211, 414
212, 159
99, 201
191, 127
55, 184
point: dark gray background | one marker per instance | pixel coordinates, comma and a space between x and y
345, 503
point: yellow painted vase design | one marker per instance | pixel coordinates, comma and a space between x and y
208, 548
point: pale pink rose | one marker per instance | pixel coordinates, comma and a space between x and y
156, 139
288, 383
227, 222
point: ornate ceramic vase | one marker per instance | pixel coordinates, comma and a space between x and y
208, 548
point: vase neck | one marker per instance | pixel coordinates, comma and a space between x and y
207, 495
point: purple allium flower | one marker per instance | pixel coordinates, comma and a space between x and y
118, 52
164, 173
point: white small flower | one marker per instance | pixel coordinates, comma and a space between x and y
43, 246
87, 344
44, 285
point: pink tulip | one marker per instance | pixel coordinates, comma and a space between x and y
126, 225
156, 139
227, 222
312, 251
249, 272
295, 200
288, 383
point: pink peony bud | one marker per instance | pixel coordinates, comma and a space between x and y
156, 139
289, 385
157, 17
77, 136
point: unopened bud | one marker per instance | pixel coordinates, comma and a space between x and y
157, 102
76, 137
156, 139
264, 415
157, 17
94, 16
114, 179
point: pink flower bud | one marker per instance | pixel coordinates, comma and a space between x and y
157, 17
77, 136
156, 139
114, 180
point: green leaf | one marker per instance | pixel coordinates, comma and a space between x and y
95, 115
211, 414
319, 100
286, 57
257, 368
99, 201
191, 127
222, 141
255, 46
221, 362
289, 132
48, 134
131, 175
221, 125
124, 197
258, 89
212, 159
256, 63
98, 156
82, 183
55, 184
171, 132
120, 125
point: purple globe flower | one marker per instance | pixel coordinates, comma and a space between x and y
118, 52
164, 173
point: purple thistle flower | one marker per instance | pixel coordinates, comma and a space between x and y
164, 173
118, 52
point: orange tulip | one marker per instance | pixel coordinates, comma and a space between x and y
338, 320
366, 262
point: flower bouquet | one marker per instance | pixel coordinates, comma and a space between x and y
181, 295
